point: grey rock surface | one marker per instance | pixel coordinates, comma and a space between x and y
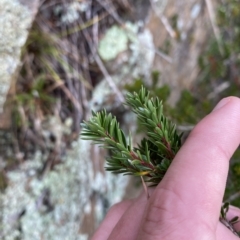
59, 205
15, 20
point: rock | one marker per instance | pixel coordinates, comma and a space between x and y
16, 18
129, 58
71, 200
114, 42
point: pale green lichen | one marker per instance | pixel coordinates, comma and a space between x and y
70, 186
137, 61
114, 42
116, 39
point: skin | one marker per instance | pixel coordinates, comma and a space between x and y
186, 204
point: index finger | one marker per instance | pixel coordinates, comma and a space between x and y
196, 179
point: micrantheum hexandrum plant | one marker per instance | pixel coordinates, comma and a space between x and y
152, 157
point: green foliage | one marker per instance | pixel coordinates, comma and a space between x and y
153, 155
135, 86
232, 190
37, 91
162, 92
218, 67
32, 100
174, 23
190, 109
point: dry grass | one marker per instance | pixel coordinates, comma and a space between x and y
60, 68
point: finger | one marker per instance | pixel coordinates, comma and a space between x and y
195, 182
128, 226
113, 216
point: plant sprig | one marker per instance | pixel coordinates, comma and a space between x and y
152, 157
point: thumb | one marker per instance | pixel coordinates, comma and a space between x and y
192, 189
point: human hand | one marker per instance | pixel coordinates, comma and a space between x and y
186, 203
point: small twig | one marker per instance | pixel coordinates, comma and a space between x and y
103, 69
109, 78
160, 54
222, 87
110, 9
168, 27
127, 5
164, 21
84, 26
185, 128
71, 97
214, 26
233, 197
95, 33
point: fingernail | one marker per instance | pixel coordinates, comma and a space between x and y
221, 104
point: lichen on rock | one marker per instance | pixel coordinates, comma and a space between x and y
15, 20
59, 200
114, 42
